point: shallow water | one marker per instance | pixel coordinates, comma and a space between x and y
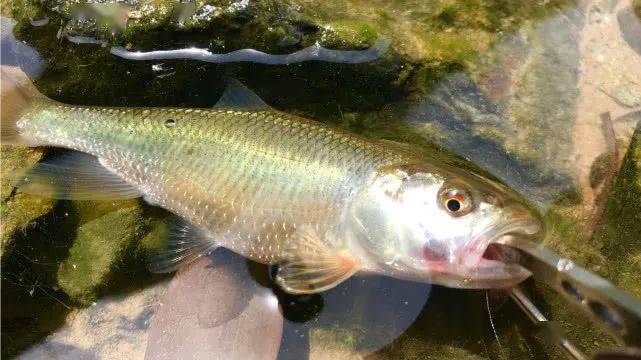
545, 97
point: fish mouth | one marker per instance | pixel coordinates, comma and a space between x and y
478, 266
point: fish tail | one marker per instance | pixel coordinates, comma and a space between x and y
18, 97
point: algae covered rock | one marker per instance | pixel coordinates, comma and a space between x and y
75, 254
114, 327
618, 235
426, 43
612, 250
19, 210
97, 251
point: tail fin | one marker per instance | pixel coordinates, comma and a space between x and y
18, 95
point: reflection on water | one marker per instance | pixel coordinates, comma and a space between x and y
528, 114
225, 307
215, 307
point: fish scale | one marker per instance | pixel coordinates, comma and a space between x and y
229, 171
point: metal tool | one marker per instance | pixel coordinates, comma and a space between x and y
610, 308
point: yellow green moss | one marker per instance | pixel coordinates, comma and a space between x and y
18, 210
99, 246
618, 238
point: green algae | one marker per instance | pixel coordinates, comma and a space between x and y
18, 210
434, 39
566, 236
618, 236
19, 213
40, 286
97, 251
437, 333
28, 9
636, 6
15, 159
343, 340
32, 303
600, 168
613, 251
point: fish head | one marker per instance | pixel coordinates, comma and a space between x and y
435, 223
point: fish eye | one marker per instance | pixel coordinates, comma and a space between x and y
453, 205
455, 200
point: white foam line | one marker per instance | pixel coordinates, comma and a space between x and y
85, 40
39, 22
310, 53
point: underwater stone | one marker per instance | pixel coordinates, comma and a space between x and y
114, 327
98, 248
622, 90
542, 109
630, 25
19, 210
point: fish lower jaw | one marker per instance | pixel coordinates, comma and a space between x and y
475, 274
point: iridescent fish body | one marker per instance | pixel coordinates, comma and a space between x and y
279, 189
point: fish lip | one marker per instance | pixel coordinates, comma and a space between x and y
495, 275
472, 269
481, 272
529, 228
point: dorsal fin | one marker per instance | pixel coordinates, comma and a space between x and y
238, 96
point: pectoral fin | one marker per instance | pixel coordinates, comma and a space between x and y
314, 266
185, 243
76, 176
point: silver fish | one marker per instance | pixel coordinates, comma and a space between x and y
320, 202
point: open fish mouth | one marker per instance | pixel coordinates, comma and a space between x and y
487, 271
478, 266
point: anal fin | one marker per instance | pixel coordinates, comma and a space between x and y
314, 265
185, 243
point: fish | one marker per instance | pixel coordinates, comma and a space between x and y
319, 203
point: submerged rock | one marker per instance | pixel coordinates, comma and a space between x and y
98, 248
116, 326
630, 24
426, 43
19, 211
